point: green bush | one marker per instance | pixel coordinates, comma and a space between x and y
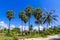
15, 38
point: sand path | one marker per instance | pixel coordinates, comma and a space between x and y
56, 37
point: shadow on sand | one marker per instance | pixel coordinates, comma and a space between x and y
55, 39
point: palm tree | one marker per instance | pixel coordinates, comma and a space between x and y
23, 18
10, 15
21, 14
29, 12
50, 17
38, 13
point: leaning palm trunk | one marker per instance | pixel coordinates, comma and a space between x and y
47, 27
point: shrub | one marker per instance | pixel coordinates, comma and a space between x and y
15, 38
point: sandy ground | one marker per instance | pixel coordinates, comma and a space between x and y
56, 37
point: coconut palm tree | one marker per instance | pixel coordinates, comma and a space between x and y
50, 17
10, 15
38, 13
29, 12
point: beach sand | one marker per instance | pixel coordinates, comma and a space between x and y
56, 37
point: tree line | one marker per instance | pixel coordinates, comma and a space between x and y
41, 17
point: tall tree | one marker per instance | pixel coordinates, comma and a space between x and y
24, 18
29, 12
21, 14
10, 15
50, 17
38, 13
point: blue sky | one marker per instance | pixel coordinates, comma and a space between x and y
19, 5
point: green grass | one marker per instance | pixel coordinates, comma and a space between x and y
13, 37
4, 37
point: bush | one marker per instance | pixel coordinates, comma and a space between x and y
15, 38
9, 34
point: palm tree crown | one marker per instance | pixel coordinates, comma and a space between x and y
23, 16
29, 11
38, 15
10, 14
50, 17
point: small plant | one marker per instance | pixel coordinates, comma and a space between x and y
15, 38
8, 39
9, 34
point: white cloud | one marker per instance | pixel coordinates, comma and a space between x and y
36, 28
4, 25
27, 28
41, 28
24, 28
47, 27
12, 26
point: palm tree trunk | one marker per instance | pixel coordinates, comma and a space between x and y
29, 24
38, 29
9, 27
29, 21
22, 28
46, 27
